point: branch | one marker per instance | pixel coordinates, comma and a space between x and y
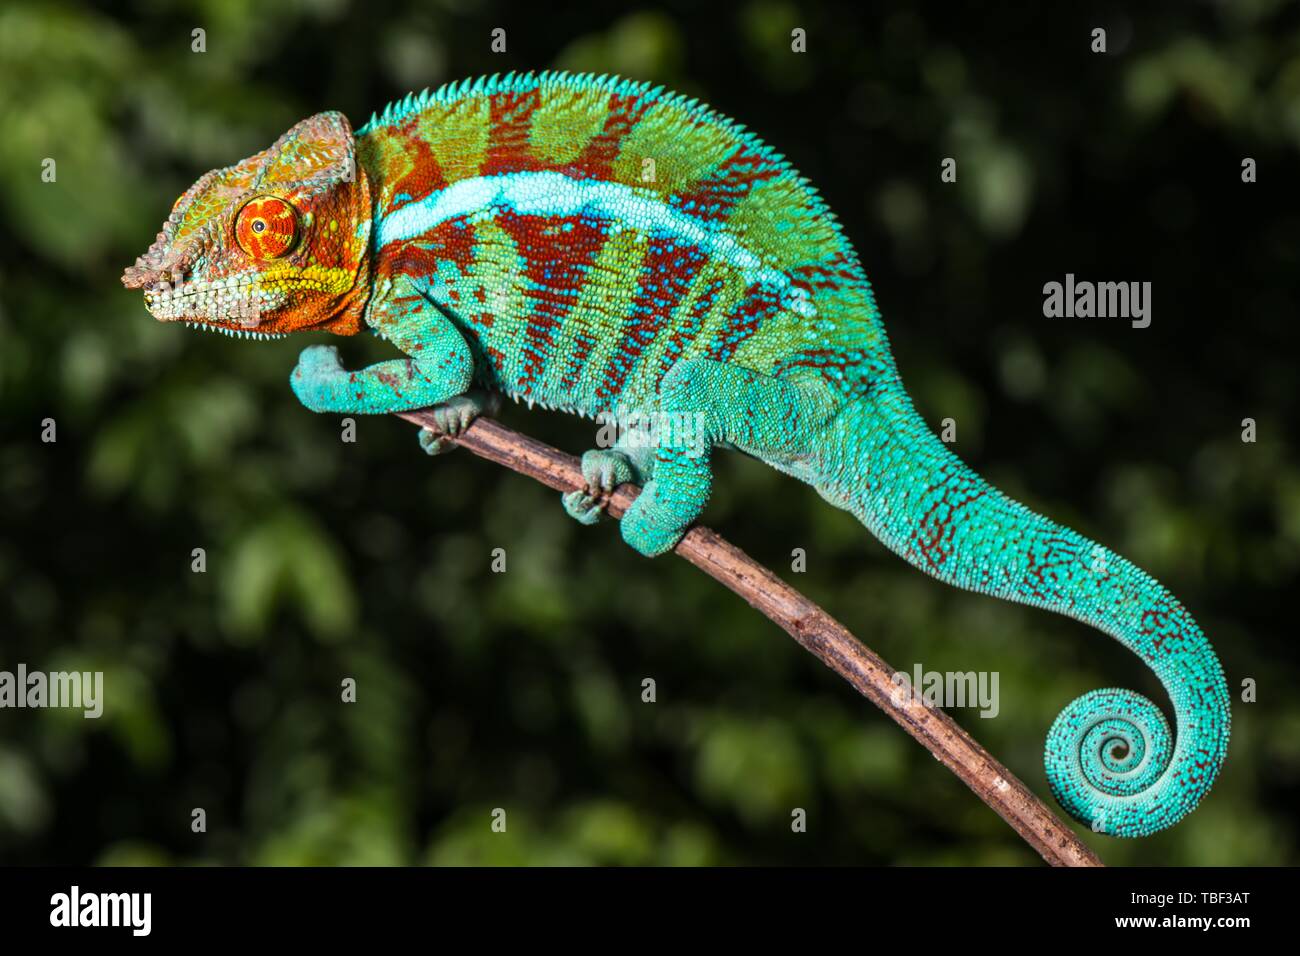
818, 633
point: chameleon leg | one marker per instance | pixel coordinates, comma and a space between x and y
442, 370
604, 469
703, 403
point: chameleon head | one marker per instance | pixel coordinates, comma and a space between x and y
277, 243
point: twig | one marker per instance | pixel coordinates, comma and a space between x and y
818, 633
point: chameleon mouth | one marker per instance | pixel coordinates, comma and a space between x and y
234, 308
165, 293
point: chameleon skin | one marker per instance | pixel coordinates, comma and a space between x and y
610, 249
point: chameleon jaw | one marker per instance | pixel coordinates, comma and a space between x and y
240, 304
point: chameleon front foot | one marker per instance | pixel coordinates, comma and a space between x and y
603, 470
452, 417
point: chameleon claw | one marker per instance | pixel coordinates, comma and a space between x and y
435, 443
452, 417
584, 507
604, 469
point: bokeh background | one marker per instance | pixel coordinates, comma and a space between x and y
522, 690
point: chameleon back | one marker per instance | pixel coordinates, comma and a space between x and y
630, 228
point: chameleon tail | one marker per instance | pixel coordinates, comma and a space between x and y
1110, 759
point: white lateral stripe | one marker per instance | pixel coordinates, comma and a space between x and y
555, 194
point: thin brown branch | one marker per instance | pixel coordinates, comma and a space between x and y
818, 633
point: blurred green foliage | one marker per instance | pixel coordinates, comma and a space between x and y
522, 690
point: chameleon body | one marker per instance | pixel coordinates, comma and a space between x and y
610, 249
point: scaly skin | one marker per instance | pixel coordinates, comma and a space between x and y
614, 250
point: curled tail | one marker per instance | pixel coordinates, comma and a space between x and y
1110, 758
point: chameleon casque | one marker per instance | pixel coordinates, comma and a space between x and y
611, 249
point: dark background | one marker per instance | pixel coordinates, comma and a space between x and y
521, 690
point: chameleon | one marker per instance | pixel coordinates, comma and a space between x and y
614, 250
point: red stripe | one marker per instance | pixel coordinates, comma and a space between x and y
598, 156
508, 131
714, 197
424, 177
665, 277
583, 344
831, 274
758, 303
558, 253
684, 336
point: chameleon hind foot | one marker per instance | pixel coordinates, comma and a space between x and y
668, 504
708, 403
453, 417
603, 470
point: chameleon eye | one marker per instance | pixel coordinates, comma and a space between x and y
266, 227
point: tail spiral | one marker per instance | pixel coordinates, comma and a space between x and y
1111, 760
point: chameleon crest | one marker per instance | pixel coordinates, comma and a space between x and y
611, 249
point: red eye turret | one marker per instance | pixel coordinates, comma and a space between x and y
266, 227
